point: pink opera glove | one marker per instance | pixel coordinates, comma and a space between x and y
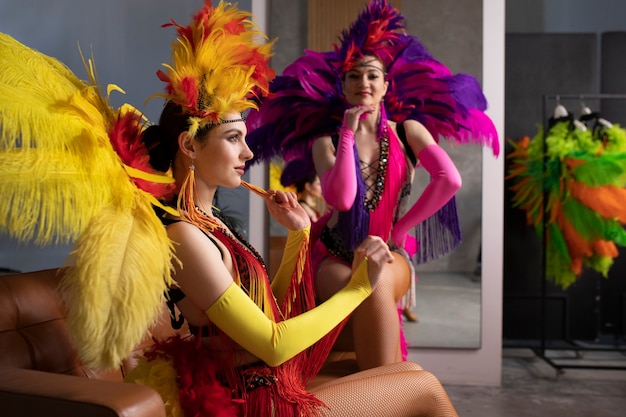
339, 182
445, 180
411, 245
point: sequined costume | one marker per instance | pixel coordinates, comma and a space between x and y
390, 189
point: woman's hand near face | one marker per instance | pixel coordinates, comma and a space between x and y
284, 207
353, 115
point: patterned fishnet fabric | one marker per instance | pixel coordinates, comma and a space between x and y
398, 390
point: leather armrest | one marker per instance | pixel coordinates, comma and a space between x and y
34, 393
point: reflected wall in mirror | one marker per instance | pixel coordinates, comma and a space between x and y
448, 289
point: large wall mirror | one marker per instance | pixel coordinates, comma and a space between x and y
451, 29
448, 289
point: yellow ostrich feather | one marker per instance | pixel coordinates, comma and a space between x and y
37, 98
39, 186
62, 181
53, 133
160, 375
276, 170
120, 293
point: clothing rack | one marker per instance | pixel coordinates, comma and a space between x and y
576, 346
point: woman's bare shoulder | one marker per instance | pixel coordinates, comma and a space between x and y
323, 153
183, 229
323, 141
417, 135
189, 240
200, 269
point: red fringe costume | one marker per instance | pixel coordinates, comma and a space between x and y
210, 383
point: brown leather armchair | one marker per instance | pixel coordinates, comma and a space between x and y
40, 374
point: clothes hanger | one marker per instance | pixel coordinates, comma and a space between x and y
586, 114
559, 110
580, 125
605, 122
560, 114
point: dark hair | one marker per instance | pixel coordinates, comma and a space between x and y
161, 140
309, 179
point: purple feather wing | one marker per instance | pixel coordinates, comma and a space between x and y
450, 106
304, 103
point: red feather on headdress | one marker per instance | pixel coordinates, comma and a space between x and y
375, 32
125, 137
217, 64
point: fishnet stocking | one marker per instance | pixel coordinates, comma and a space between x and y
399, 390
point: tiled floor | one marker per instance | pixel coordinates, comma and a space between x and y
448, 308
532, 388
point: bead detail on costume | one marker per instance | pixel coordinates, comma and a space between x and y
231, 233
376, 188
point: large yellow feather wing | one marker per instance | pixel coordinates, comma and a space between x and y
62, 181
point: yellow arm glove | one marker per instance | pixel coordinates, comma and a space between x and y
297, 240
274, 343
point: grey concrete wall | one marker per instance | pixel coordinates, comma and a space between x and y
612, 62
564, 16
129, 46
287, 22
452, 32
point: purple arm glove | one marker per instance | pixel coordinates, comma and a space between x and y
445, 180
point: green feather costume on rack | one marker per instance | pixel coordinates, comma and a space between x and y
583, 178
73, 170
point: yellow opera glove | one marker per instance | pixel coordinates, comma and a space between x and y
297, 240
274, 343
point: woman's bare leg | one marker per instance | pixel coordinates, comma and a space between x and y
374, 324
400, 390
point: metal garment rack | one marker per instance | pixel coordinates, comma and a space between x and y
570, 344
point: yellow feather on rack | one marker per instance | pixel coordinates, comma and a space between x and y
62, 181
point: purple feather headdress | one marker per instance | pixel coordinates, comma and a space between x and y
376, 32
306, 101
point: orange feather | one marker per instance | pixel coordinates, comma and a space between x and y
609, 201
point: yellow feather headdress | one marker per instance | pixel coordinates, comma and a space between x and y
73, 169
217, 64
